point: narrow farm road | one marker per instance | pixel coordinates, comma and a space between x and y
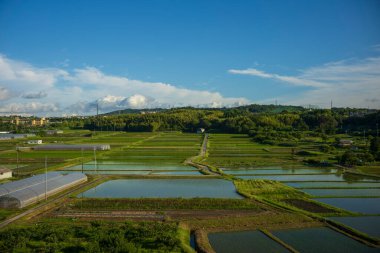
204, 146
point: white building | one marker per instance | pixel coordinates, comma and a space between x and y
53, 132
200, 130
35, 142
5, 173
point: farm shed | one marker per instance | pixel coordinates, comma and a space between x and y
74, 147
52, 132
5, 173
21, 193
345, 143
35, 142
200, 130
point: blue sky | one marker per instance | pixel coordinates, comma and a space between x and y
59, 57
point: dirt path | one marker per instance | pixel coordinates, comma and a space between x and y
204, 146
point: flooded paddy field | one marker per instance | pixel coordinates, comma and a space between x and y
164, 188
374, 192
360, 205
367, 224
343, 184
244, 242
321, 239
278, 171
290, 178
113, 167
312, 177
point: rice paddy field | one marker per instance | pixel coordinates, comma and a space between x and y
241, 196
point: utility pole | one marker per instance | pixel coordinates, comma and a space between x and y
82, 159
45, 177
331, 105
95, 165
17, 150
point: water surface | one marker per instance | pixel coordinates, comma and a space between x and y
342, 184
343, 192
361, 205
316, 177
127, 166
316, 240
179, 173
367, 224
278, 171
244, 242
164, 188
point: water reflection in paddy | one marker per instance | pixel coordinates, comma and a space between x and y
164, 188
361, 205
317, 177
278, 171
343, 192
367, 224
126, 166
343, 184
244, 242
321, 240
179, 173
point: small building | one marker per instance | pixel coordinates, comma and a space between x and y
346, 143
5, 172
35, 142
73, 147
200, 130
53, 132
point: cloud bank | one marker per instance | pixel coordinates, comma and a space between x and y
78, 91
349, 83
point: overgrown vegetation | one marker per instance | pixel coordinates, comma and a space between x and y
93, 237
165, 204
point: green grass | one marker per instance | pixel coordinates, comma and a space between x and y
267, 189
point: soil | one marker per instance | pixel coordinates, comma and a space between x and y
308, 206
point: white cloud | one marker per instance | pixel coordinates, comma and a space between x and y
37, 95
20, 73
33, 107
349, 83
138, 101
160, 93
79, 90
4, 93
299, 81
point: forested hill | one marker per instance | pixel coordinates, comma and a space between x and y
251, 119
250, 108
245, 119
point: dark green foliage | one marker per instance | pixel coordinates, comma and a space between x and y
349, 158
326, 148
96, 237
375, 148
165, 204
